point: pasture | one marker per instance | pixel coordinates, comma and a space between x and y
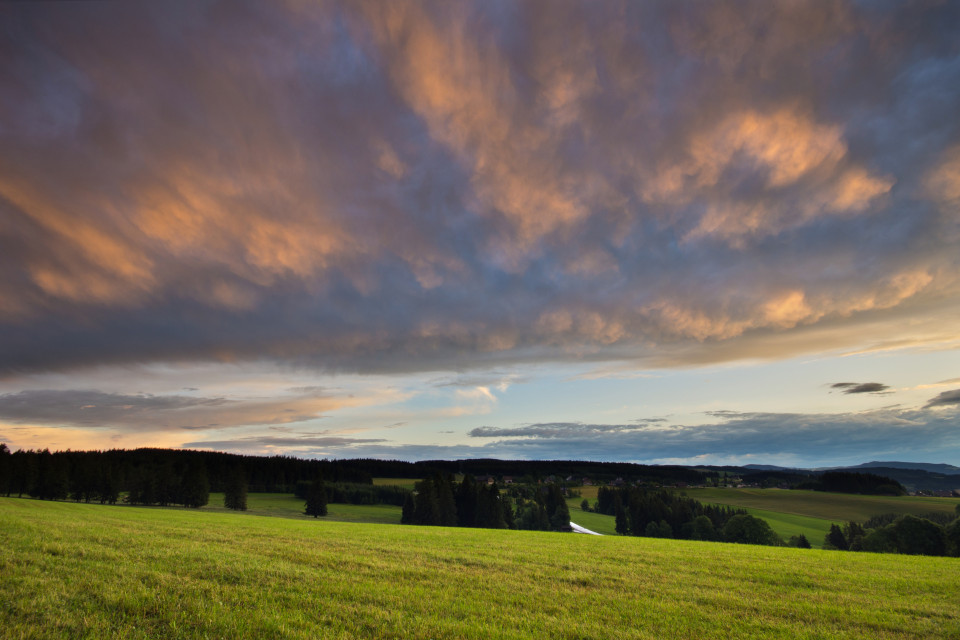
833, 507
91, 571
285, 505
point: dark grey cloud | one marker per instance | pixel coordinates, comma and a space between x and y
554, 430
147, 412
801, 439
303, 445
860, 387
809, 437
489, 379
90, 407
352, 187
945, 399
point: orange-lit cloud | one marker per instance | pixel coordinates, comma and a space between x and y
420, 186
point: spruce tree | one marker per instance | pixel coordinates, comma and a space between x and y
316, 499
235, 492
446, 505
6, 464
467, 502
493, 509
835, 539
800, 542
426, 503
406, 515
194, 486
507, 509
621, 519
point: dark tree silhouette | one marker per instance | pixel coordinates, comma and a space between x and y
235, 492
702, 529
467, 502
918, 536
406, 514
835, 539
194, 486
621, 525
800, 542
952, 536
316, 499
747, 529
6, 468
446, 505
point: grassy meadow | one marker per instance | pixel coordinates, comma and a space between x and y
785, 524
285, 505
91, 571
833, 507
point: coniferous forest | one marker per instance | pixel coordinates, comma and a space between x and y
535, 499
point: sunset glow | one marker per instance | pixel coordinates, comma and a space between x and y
643, 231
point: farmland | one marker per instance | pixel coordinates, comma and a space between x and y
834, 507
74, 570
285, 505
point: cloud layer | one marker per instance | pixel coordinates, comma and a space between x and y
425, 185
731, 437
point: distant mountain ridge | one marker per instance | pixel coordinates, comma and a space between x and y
947, 469
914, 476
770, 467
930, 467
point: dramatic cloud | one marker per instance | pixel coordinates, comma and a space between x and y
355, 186
860, 387
801, 437
234, 215
308, 446
145, 412
945, 399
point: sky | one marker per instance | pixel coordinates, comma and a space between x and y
659, 232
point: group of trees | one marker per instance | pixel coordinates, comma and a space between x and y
316, 497
355, 493
104, 475
850, 482
642, 511
935, 534
142, 477
440, 501
527, 471
541, 507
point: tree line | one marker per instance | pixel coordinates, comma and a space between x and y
658, 513
356, 493
157, 476
932, 534
854, 482
440, 501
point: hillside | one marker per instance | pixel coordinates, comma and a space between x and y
832, 507
945, 469
73, 570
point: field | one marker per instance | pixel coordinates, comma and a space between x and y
400, 482
833, 507
91, 571
284, 505
784, 524
789, 513
594, 521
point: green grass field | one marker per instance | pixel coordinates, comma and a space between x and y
400, 482
833, 507
90, 571
785, 524
593, 521
284, 505
788, 524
